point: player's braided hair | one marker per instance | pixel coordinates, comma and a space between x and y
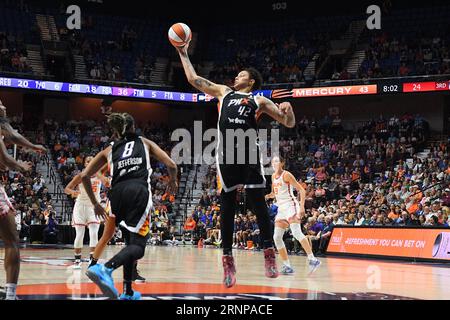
121, 123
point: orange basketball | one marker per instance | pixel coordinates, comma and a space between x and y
179, 34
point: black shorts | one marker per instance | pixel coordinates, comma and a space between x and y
131, 203
234, 175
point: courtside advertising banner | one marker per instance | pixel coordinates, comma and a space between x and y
420, 243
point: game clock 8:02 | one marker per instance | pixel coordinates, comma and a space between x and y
389, 88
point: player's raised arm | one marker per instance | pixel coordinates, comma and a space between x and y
282, 113
162, 156
200, 83
302, 192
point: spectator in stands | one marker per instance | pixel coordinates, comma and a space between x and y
50, 231
189, 228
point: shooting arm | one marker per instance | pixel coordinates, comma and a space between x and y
198, 82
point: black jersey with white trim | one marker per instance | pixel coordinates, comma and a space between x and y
129, 160
238, 115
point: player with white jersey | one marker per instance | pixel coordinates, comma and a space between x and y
83, 212
289, 213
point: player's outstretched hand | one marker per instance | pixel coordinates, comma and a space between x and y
184, 49
100, 212
25, 165
285, 107
172, 187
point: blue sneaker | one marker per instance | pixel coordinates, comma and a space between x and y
314, 265
101, 276
286, 270
136, 296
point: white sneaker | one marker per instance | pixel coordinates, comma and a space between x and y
77, 265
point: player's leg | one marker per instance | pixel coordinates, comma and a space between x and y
93, 237
136, 277
9, 235
78, 245
256, 196
108, 233
101, 274
227, 211
130, 264
296, 229
79, 222
280, 229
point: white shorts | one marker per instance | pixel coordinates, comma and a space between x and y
288, 211
83, 214
5, 204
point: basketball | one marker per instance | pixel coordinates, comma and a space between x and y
179, 34
165, 158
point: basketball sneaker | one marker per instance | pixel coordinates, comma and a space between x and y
136, 296
270, 263
229, 271
101, 276
314, 265
138, 278
77, 264
286, 270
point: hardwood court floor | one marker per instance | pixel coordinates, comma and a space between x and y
196, 273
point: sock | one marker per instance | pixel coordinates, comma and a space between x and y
311, 256
287, 263
93, 262
77, 257
127, 288
10, 291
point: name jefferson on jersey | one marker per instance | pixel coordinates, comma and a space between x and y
129, 162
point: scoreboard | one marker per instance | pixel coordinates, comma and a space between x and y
385, 87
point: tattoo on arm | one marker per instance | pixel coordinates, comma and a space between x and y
201, 82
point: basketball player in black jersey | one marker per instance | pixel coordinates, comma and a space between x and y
131, 199
239, 110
